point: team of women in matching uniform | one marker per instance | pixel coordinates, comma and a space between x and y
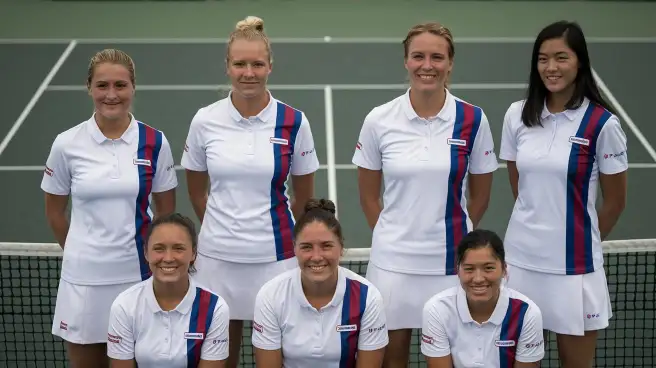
139, 287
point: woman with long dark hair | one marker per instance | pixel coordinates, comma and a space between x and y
560, 143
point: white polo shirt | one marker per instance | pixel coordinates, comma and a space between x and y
248, 219
326, 338
512, 333
196, 329
425, 164
554, 226
110, 183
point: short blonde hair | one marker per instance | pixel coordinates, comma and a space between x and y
112, 56
250, 28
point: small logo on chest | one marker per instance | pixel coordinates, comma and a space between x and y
456, 142
342, 328
282, 141
504, 343
141, 162
193, 335
581, 141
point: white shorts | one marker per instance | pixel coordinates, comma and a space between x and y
404, 295
238, 283
570, 304
82, 311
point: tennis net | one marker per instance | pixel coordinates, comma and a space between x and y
29, 276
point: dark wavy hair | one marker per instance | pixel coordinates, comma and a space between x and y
585, 85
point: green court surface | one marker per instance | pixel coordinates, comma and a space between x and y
340, 82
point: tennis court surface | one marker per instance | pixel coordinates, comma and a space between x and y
335, 84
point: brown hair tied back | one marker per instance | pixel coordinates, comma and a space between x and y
323, 211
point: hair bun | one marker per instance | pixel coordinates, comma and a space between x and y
323, 204
251, 22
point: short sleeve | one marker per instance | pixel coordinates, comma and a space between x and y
215, 346
483, 158
193, 155
120, 337
530, 347
373, 328
57, 175
165, 177
434, 339
612, 148
266, 334
508, 149
367, 150
305, 159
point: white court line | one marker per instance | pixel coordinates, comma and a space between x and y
330, 147
37, 95
299, 87
305, 40
624, 116
641, 165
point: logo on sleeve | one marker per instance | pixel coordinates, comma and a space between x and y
258, 327
342, 328
504, 343
282, 141
141, 162
48, 171
456, 142
113, 338
358, 146
581, 141
193, 335
427, 339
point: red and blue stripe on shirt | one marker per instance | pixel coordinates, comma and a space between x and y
288, 123
511, 329
467, 122
353, 307
578, 231
202, 313
149, 145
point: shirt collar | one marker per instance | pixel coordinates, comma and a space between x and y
264, 115
444, 115
297, 289
497, 315
128, 136
570, 114
183, 308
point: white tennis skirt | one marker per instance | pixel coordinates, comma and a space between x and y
404, 295
238, 283
570, 304
82, 311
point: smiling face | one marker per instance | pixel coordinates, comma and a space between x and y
318, 251
480, 273
557, 65
112, 90
170, 253
428, 62
248, 67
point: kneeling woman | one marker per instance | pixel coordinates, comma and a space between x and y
168, 320
481, 323
319, 314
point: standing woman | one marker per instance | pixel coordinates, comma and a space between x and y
239, 153
110, 166
560, 143
436, 154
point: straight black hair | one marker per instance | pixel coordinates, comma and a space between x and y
585, 85
481, 238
